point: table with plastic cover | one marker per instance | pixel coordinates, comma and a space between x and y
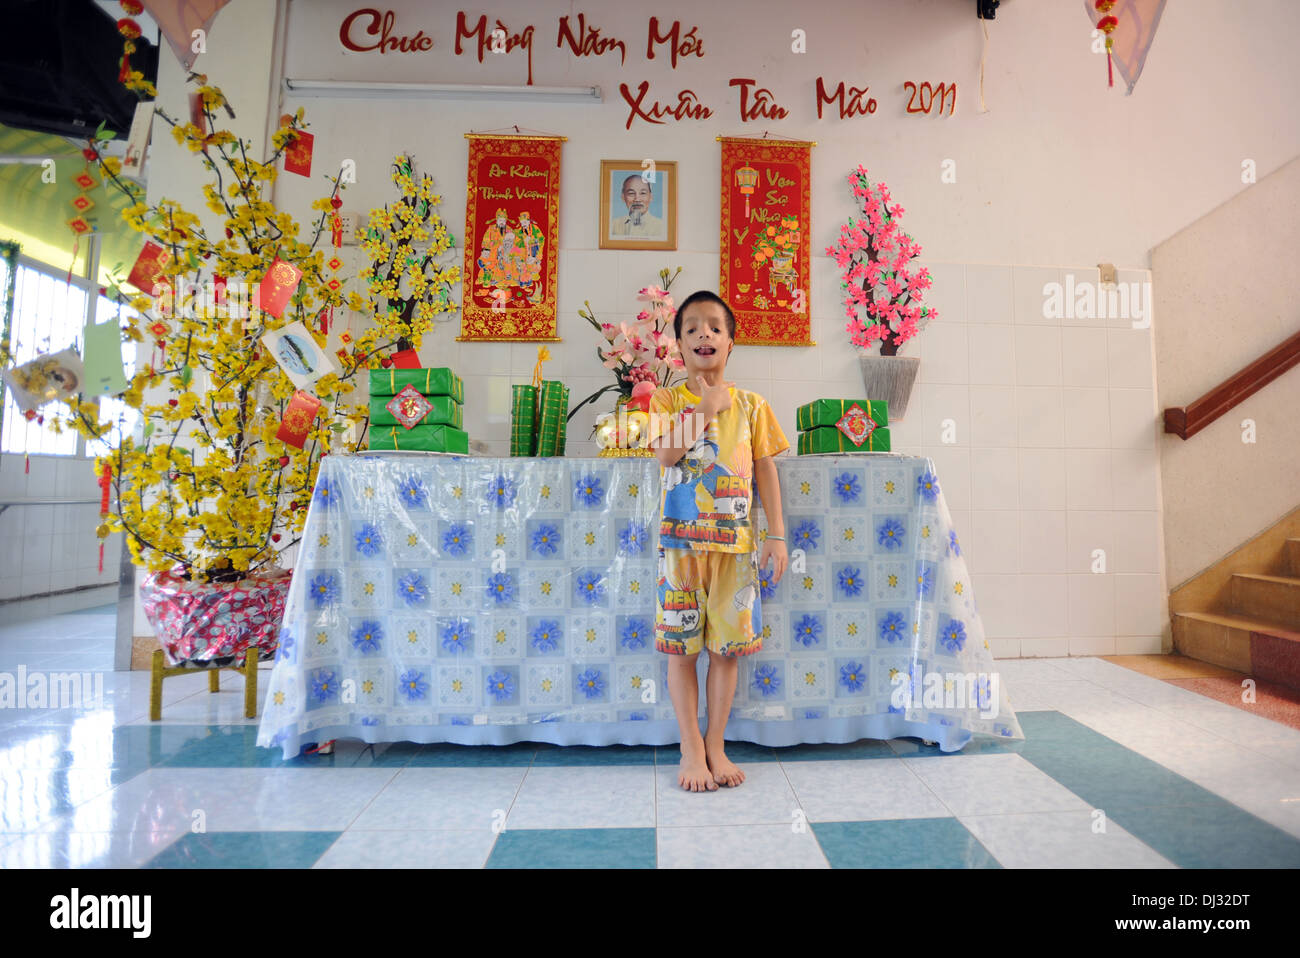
487, 601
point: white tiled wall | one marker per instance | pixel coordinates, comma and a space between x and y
1055, 458
50, 548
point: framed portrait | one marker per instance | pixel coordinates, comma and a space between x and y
638, 205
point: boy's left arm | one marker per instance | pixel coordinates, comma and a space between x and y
769, 491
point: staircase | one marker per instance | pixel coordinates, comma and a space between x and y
1254, 626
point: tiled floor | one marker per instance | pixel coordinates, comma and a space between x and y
1119, 769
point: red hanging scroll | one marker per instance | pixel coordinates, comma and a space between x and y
511, 233
766, 242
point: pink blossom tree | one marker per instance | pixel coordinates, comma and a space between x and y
882, 297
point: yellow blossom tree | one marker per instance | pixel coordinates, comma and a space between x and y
409, 285
204, 482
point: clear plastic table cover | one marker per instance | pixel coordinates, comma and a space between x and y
491, 601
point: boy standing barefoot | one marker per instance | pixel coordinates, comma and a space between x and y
715, 443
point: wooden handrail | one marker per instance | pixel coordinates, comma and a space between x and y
1187, 421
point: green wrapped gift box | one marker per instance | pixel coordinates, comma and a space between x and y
523, 420
445, 412
827, 412
830, 439
421, 438
429, 382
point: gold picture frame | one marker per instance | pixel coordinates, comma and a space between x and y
652, 184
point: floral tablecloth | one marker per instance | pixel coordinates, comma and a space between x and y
490, 601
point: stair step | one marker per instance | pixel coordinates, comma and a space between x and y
1270, 598
1242, 643
1291, 557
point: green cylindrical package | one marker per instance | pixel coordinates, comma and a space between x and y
523, 420
554, 409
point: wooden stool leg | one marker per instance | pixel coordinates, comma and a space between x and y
250, 683
214, 680
155, 687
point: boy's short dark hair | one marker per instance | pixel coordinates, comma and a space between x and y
704, 296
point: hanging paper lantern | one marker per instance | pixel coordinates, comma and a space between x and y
128, 28
747, 180
1107, 25
132, 7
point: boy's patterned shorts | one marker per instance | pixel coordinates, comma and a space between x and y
708, 599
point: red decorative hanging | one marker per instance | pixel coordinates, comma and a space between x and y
1107, 25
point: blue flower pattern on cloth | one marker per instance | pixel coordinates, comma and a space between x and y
458, 540
589, 587
413, 492
633, 537
807, 631
591, 683
892, 627
501, 492
456, 635
850, 582
324, 590
587, 490
636, 633
400, 587
367, 635
501, 588
546, 635
806, 536
546, 540
847, 487
369, 540
766, 680
411, 683
890, 534
411, 589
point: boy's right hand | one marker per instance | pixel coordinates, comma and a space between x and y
716, 398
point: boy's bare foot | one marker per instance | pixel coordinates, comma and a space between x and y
693, 772
725, 772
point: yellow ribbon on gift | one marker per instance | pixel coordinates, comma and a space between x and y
543, 355
428, 382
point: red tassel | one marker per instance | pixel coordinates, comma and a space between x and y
125, 72
76, 245
1110, 72
27, 463
101, 558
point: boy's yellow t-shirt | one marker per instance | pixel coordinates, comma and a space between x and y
707, 495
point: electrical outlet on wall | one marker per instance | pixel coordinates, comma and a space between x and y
351, 225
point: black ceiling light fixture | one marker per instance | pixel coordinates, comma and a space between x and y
986, 9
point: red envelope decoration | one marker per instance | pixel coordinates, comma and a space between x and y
298, 419
278, 287
297, 154
406, 359
147, 271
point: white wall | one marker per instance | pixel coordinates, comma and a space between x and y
1056, 420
